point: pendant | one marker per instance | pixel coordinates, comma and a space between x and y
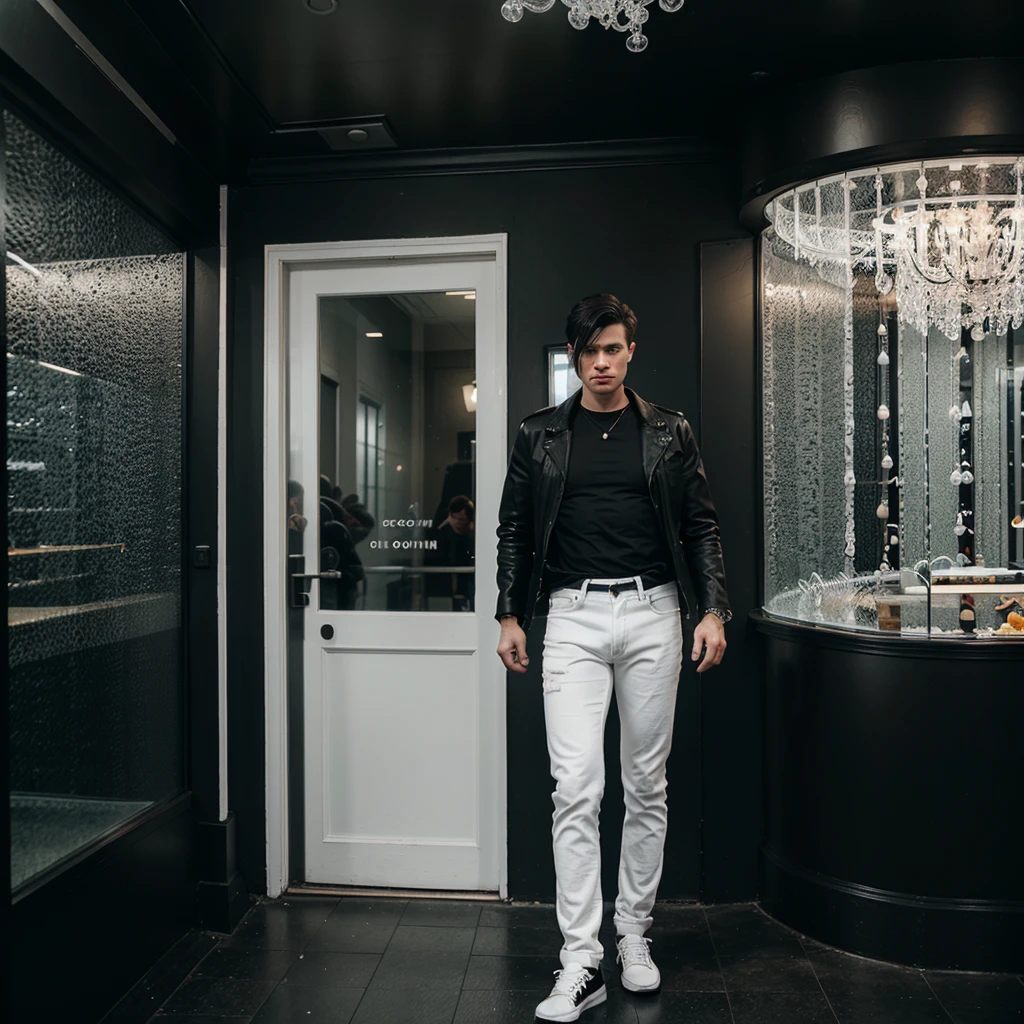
604, 437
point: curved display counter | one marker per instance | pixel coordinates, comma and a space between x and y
893, 783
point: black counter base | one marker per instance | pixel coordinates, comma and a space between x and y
963, 935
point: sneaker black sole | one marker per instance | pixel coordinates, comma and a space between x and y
594, 999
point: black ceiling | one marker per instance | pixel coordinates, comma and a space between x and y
172, 97
454, 73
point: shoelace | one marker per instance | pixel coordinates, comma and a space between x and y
570, 983
633, 953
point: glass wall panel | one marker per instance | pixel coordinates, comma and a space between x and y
94, 299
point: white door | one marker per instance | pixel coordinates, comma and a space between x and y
403, 726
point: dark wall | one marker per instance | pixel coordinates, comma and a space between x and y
635, 231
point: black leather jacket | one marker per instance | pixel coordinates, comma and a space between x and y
533, 492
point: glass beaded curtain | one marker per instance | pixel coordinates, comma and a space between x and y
94, 331
892, 358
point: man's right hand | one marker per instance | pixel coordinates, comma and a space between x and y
512, 645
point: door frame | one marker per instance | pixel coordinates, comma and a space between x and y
279, 260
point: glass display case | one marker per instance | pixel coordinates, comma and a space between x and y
94, 318
892, 301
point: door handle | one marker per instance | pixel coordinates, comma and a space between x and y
299, 598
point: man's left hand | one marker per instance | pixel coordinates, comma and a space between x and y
710, 633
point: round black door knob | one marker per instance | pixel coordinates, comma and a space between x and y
327, 632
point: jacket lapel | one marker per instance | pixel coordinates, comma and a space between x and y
656, 436
556, 433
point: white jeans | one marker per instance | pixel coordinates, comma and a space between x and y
594, 642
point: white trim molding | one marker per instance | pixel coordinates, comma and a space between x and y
279, 259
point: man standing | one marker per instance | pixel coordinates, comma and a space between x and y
604, 501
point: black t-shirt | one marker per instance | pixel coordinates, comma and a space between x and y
606, 526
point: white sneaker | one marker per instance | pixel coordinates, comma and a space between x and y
577, 988
638, 971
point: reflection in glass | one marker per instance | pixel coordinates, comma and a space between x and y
94, 350
398, 452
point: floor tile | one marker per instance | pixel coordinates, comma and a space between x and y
979, 998
367, 911
151, 991
681, 945
190, 1018
516, 942
689, 975
419, 1006
290, 1003
346, 935
452, 915
325, 969
281, 924
977, 989
245, 963
983, 1014
511, 973
883, 1006
741, 929
506, 916
781, 1008
495, 1007
837, 970
768, 973
678, 1008
414, 970
214, 996
433, 939
679, 917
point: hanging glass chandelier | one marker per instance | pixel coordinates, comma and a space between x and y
948, 235
621, 15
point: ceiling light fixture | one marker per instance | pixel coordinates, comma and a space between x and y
945, 236
460, 293
374, 334
621, 15
321, 6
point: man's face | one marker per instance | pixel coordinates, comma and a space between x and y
603, 362
461, 523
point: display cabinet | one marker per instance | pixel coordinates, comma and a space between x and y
893, 382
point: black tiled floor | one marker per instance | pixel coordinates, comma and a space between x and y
380, 961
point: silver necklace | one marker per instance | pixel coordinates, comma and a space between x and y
604, 436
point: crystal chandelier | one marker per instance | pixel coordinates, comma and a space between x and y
621, 15
949, 235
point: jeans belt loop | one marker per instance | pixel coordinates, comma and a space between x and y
640, 588
583, 590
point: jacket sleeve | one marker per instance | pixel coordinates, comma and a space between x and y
515, 531
699, 532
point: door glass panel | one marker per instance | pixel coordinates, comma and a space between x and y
398, 484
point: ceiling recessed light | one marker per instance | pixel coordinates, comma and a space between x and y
357, 135
460, 293
321, 6
374, 334
471, 296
